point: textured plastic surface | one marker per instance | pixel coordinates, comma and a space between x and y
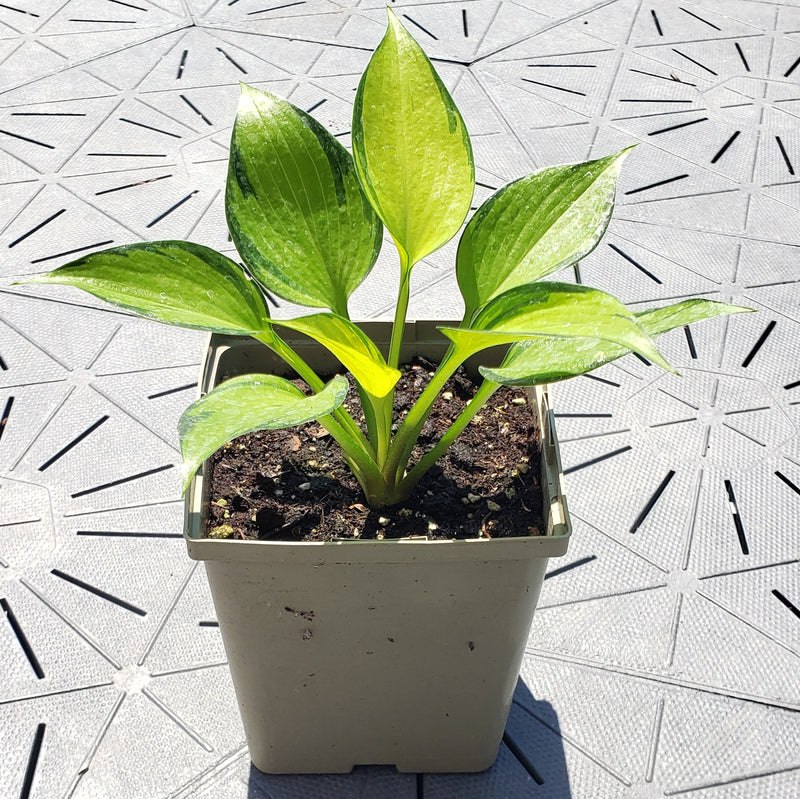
665, 660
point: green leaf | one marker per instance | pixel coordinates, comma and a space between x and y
294, 205
559, 310
411, 148
246, 403
534, 226
659, 320
356, 351
549, 360
171, 281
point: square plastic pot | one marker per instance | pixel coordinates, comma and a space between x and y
348, 653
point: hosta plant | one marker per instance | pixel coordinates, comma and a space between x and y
307, 219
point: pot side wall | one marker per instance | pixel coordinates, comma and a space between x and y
407, 665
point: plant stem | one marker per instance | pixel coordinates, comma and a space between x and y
398, 328
383, 416
283, 350
482, 395
409, 431
356, 450
360, 461
315, 383
400, 310
369, 417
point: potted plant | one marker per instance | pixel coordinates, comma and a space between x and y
347, 650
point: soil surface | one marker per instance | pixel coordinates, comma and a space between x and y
293, 484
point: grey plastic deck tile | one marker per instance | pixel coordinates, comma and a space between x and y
664, 656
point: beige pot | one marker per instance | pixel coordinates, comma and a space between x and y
374, 652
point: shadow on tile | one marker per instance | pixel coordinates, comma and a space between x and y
530, 763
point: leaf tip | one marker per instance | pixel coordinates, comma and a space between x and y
618, 158
395, 27
661, 361
252, 94
42, 278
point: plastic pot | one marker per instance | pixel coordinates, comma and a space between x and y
349, 653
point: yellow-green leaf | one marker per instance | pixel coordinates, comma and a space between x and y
560, 310
411, 148
659, 320
294, 205
356, 351
170, 281
534, 226
538, 361
244, 404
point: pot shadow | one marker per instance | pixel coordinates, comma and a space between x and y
531, 763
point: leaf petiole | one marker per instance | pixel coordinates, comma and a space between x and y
340, 416
406, 437
401, 310
482, 395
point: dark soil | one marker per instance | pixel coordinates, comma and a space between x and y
293, 484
